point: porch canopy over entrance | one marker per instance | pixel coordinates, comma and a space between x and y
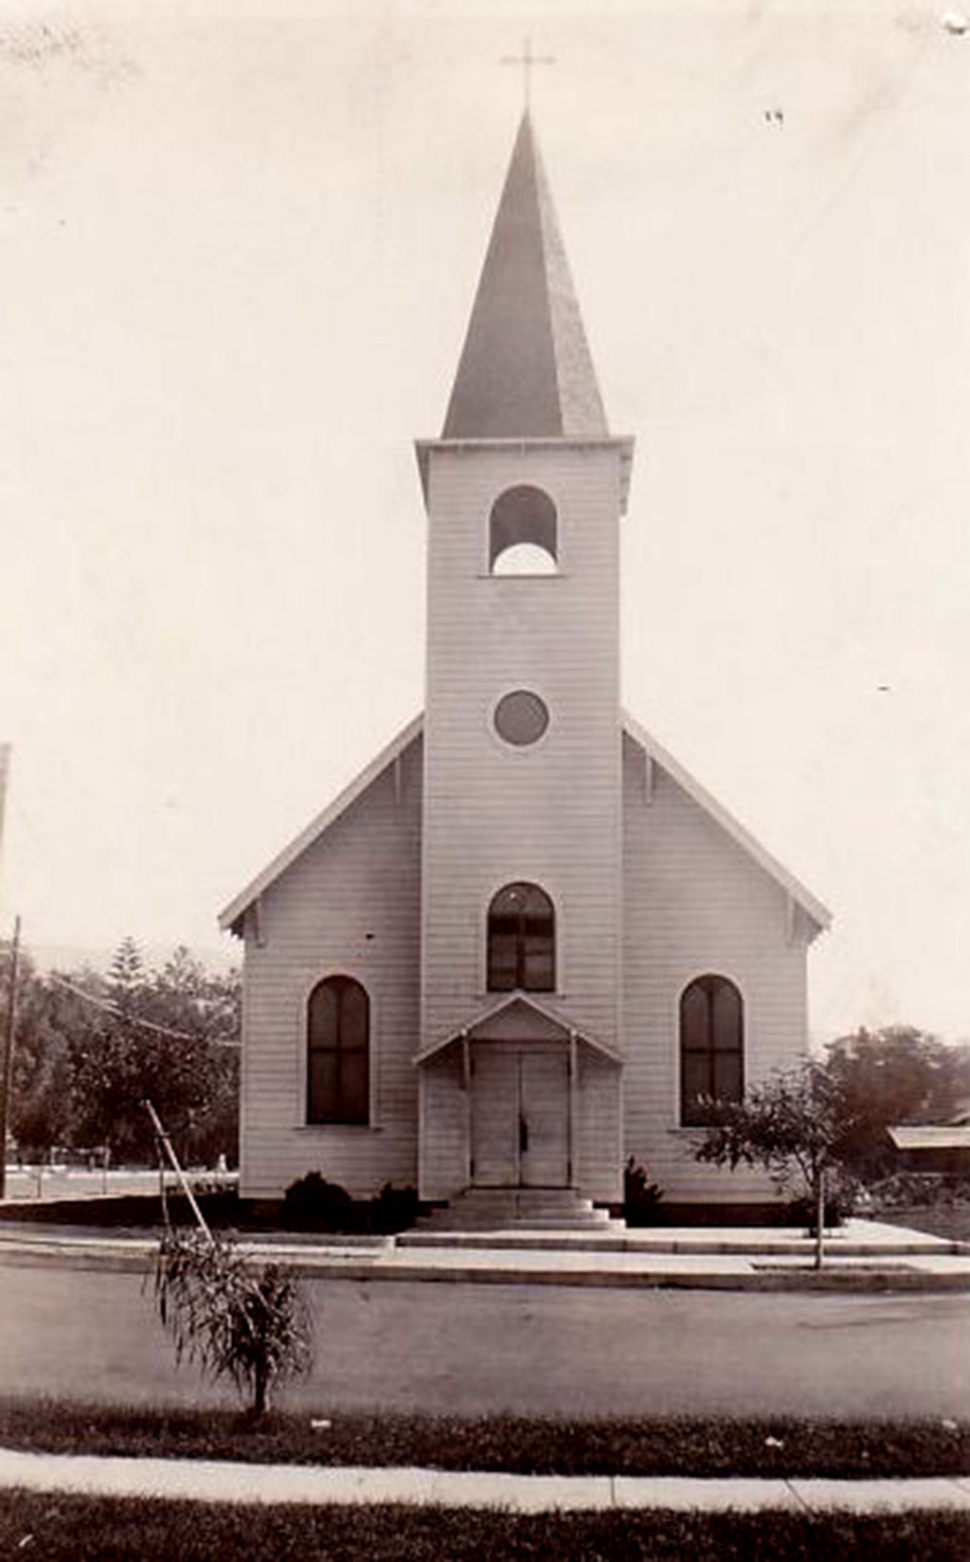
519, 1080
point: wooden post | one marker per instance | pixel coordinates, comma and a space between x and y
166, 1144
466, 1084
820, 1218
573, 1086
6, 1073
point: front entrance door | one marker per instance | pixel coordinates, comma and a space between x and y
520, 1117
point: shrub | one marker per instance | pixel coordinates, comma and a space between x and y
249, 1324
394, 1209
640, 1196
319, 1205
912, 1189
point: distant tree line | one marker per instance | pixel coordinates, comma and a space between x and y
820, 1126
898, 1074
91, 1046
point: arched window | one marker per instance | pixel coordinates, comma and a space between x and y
338, 1042
522, 533
711, 1047
521, 940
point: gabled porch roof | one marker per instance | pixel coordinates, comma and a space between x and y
501, 1008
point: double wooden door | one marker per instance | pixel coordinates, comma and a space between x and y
520, 1117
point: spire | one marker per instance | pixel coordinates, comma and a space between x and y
525, 370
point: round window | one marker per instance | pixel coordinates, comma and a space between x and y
521, 717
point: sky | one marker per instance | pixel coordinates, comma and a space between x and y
238, 249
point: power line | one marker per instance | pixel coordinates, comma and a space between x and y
117, 1013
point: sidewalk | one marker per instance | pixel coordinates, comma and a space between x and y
219, 1481
861, 1256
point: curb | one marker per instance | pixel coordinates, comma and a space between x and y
133, 1256
222, 1481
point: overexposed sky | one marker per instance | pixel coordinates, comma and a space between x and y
238, 248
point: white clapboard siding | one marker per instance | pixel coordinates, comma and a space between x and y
598, 1153
549, 813
350, 903
696, 902
445, 1107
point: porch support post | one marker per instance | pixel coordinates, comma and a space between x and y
466, 1085
572, 1108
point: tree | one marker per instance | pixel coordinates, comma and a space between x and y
171, 1036
205, 1010
798, 1122
247, 1323
897, 1074
90, 1047
41, 1080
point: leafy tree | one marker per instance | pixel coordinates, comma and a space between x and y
90, 1048
205, 1010
798, 1123
895, 1075
171, 1036
40, 1114
248, 1323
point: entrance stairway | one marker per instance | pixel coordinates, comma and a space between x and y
514, 1209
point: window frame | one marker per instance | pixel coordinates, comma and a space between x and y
696, 1108
357, 1111
521, 935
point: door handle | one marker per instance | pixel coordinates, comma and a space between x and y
523, 1135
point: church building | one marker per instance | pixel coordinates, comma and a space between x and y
525, 944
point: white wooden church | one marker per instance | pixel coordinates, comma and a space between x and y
524, 944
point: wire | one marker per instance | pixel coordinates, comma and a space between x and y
133, 1019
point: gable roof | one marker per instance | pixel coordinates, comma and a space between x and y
525, 371
230, 920
496, 1008
930, 1136
815, 910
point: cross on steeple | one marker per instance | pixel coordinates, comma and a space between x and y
527, 59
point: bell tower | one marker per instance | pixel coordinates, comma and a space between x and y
521, 867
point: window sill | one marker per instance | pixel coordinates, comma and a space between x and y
341, 1128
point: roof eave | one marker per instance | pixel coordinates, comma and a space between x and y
231, 919
815, 910
622, 443
504, 1001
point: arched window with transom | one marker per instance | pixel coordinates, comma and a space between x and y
338, 1052
711, 1047
521, 940
522, 533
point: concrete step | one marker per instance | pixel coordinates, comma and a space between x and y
477, 1220
480, 1210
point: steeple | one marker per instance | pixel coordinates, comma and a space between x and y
525, 370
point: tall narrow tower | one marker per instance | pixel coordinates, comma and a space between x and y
521, 871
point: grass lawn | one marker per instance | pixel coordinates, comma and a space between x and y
719, 1446
88, 1529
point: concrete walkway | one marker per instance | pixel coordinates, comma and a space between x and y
221, 1481
861, 1256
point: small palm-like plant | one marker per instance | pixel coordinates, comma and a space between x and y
246, 1322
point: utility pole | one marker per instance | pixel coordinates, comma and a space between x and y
6, 1059
6, 1073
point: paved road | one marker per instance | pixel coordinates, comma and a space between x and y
479, 1348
